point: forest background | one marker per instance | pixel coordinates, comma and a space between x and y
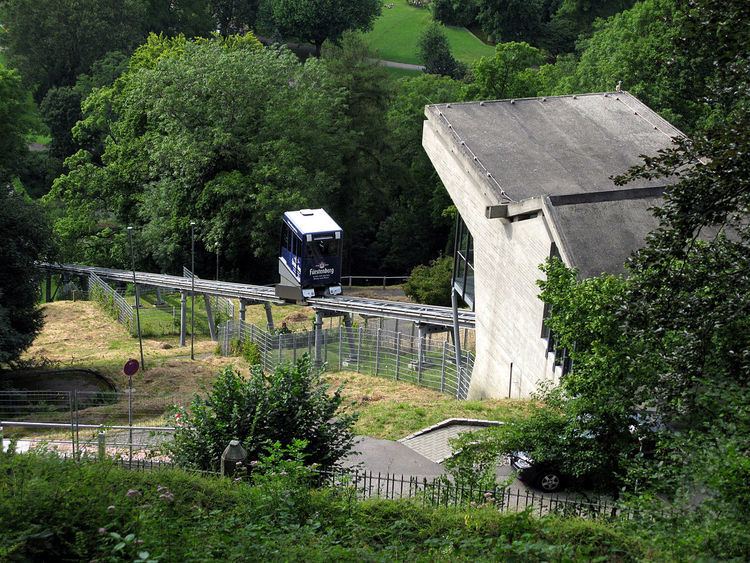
155, 131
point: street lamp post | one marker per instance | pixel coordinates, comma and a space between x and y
217, 261
192, 290
137, 298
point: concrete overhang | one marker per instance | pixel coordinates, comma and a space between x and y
508, 211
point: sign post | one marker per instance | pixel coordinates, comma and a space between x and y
130, 369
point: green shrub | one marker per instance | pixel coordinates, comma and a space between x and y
64, 511
431, 284
290, 403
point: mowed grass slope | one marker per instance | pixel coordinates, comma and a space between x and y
81, 334
396, 33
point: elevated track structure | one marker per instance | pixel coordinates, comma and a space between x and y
428, 318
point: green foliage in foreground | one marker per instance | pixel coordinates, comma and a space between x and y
289, 404
66, 511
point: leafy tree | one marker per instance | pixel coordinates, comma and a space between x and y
431, 284
315, 21
509, 73
51, 43
435, 53
511, 20
631, 47
192, 18
61, 110
455, 12
290, 404
24, 238
358, 204
575, 17
16, 118
220, 131
417, 225
234, 16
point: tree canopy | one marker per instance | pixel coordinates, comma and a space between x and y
219, 131
51, 43
16, 118
24, 238
316, 21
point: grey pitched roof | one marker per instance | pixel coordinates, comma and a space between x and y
556, 145
599, 234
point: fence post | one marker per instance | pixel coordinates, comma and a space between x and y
377, 352
398, 352
359, 347
72, 424
442, 368
279, 336
78, 436
325, 346
101, 445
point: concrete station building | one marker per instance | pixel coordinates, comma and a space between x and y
532, 178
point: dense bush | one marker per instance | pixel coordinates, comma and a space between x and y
64, 511
431, 284
290, 403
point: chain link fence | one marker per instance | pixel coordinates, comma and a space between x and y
374, 351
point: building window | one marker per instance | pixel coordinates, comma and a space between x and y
562, 357
463, 263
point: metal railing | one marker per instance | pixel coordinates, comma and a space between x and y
374, 351
435, 491
382, 281
113, 302
77, 421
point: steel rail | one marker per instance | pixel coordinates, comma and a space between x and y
413, 312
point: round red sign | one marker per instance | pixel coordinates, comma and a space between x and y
131, 366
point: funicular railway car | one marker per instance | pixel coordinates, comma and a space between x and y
310, 255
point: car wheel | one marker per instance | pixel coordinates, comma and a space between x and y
549, 481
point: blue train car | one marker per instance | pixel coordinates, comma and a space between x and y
310, 255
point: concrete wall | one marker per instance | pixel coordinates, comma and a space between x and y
506, 262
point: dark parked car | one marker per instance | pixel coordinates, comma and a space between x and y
548, 477
545, 476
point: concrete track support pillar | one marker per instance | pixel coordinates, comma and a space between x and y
269, 317
243, 309
318, 338
348, 322
183, 316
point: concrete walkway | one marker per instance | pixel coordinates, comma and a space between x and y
404, 66
387, 456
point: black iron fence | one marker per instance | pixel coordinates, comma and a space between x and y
431, 491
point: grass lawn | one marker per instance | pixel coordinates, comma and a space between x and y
397, 31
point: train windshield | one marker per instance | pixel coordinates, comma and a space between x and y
323, 248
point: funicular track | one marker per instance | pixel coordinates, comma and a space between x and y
428, 315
